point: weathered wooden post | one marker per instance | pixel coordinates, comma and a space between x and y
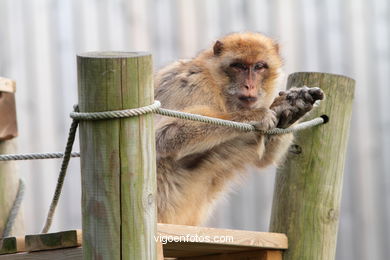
9, 178
118, 164
307, 194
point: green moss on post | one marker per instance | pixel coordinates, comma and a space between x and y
307, 194
117, 157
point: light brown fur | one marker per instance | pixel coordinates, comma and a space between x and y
197, 161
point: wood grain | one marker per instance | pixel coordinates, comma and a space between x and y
64, 239
9, 178
117, 157
8, 124
243, 241
307, 195
7, 85
59, 254
249, 255
10, 245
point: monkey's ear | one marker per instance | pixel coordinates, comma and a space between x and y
218, 47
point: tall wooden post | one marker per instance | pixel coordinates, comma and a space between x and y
9, 178
118, 164
307, 194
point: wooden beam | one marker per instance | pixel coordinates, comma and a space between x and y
118, 167
8, 125
160, 251
10, 245
64, 239
307, 194
249, 255
75, 253
7, 85
9, 178
241, 240
263, 243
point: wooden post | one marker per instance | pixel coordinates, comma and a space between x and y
9, 178
118, 161
307, 194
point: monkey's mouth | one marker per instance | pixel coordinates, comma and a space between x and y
247, 100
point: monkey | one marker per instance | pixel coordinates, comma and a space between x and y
235, 79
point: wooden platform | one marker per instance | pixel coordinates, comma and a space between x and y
193, 243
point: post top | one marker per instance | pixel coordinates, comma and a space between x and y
323, 74
7, 85
112, 54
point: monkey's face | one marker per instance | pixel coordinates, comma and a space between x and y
250, 64
246, 80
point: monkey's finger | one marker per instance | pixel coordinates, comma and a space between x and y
303, 106
291, 95
316, 93
285, 118
308, 98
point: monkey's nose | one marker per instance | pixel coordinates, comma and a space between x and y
249, 86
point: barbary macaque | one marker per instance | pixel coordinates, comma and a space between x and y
236, 79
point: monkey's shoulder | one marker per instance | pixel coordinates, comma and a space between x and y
182, 78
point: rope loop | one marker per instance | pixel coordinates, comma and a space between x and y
116, 113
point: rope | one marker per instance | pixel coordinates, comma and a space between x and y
301, 126
115, 113
61, 176
153, 108
206, 119
14, 210
34, 156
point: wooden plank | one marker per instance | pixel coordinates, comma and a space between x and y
243, 241
160, 251
64, 239
117, 157
8, 125
7, 85
250, 255
9, 178
273, 255
240, 237
75, 253
10, 245
307, 193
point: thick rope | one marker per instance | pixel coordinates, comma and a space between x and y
115, 113
206, 119
14, 210
154, 108
34, 156
61, 176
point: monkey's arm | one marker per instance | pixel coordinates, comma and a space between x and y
178, 138
289, 107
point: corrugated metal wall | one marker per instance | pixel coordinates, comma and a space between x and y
39, 40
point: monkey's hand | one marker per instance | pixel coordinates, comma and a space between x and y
294, 103
266, 119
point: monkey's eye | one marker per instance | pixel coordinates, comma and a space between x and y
238, 65
261, 65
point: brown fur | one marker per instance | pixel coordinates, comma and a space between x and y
197, 161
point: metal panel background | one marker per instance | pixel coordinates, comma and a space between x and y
39, 40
